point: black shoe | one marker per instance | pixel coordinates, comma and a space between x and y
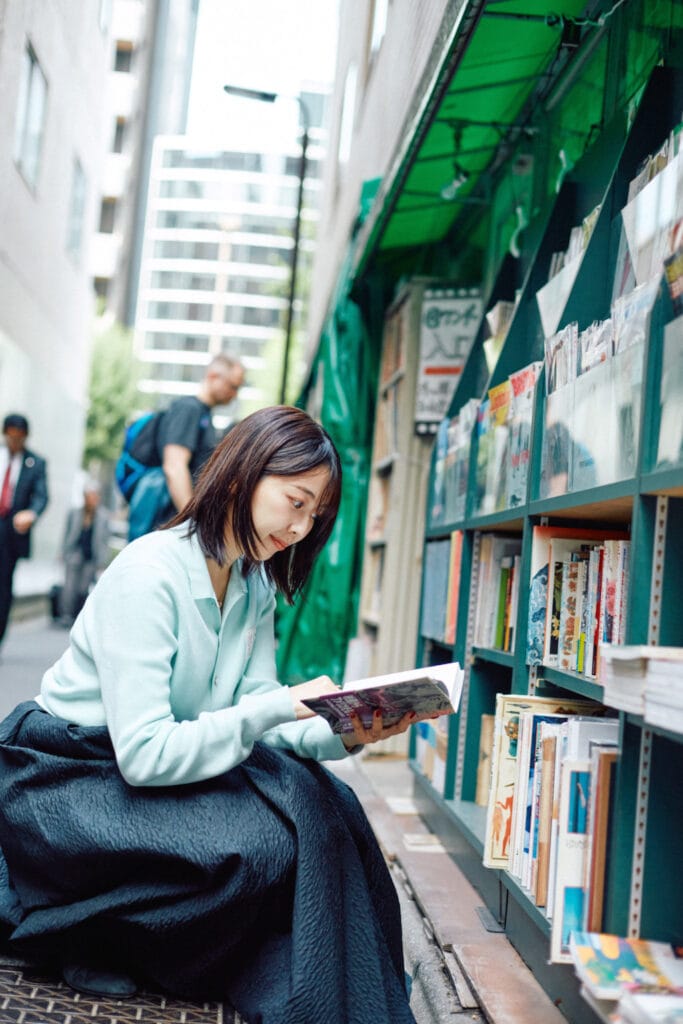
97, 981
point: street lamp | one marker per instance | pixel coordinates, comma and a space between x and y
270, 97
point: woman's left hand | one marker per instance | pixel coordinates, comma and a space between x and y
377, 731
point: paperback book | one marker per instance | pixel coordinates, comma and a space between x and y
509, 775
425, 691
608, 964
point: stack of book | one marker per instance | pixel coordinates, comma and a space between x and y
664, 688
622, 674
504, 441
593, 382
451, 465
577, 596
653, 216
550, 798
440, 588
645, 680
498, 581
634, 981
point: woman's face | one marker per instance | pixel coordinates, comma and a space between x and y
284, 509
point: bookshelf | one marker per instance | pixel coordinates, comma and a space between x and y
418, 326
604, 456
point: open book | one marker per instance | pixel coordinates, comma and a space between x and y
426, 691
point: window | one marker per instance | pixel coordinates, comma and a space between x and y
124, 57
107, 216
74, 228
30, 124
119, 134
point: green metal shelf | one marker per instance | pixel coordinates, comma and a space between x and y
609, 503
468, 816
442, 532
470, 819
658, 730
492, 654
509, 519
573, 681
663, 481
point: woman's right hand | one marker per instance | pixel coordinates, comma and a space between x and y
312, 688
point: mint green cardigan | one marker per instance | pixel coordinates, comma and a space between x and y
184, 692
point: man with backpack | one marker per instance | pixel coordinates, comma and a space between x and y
181, 439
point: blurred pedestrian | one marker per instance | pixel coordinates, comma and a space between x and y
185, 436
23, 498
162, 811
85, 550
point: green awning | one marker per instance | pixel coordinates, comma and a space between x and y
498, 55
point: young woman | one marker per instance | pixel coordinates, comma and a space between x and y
162, 810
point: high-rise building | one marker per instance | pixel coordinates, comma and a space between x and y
148, 92
216, 264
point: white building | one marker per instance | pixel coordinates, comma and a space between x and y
53, 65
148, 92
216, 261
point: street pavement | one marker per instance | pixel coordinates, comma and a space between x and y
30, 646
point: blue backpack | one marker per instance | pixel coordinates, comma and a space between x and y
140, 453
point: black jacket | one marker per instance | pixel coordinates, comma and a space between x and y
29, 493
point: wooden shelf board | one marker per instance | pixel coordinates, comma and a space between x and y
612, 503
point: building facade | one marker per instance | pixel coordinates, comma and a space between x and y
148, 91
53, 61
216, 265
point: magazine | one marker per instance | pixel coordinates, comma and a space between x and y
426, 691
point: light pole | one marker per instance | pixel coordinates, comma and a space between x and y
270, 97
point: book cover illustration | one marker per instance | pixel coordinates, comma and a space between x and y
504, 767
607, 964
426, 691
572, 844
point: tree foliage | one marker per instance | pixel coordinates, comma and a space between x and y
112, 393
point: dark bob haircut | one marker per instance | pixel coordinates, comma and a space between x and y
276, 441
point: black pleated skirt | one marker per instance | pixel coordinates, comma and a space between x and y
264, 886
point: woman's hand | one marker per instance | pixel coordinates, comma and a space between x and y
312, 688
377, 731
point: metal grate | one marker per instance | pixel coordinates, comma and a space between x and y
29, 995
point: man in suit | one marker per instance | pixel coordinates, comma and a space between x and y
23, 498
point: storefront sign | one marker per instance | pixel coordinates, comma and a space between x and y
449, 321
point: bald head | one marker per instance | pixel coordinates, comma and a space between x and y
223, 378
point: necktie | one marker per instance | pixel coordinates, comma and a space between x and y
6, 493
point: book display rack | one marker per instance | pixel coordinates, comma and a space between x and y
428, 332
555, 513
